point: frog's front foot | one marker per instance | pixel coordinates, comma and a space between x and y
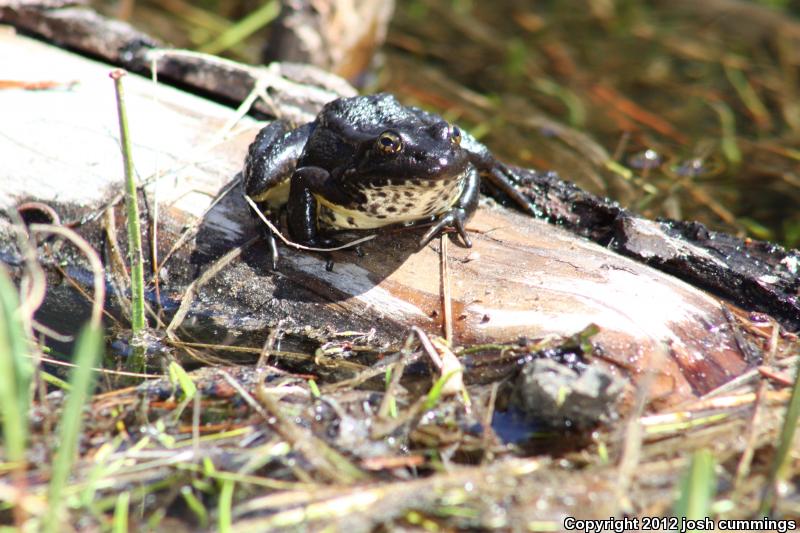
455, 218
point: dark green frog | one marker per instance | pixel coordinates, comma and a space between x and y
367, 162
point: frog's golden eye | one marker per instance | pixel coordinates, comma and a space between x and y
389, 142
455, 135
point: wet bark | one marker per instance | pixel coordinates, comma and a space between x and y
756, 275
340, 36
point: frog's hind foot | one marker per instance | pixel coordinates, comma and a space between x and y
507, 181
329, 262
320, 244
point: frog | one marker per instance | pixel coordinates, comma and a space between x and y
368, 162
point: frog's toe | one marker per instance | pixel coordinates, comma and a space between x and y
272, 248
507, 180
455, 218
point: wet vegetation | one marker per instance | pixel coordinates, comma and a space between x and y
675, 109
685, 110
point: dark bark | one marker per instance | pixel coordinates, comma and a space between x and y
756, 275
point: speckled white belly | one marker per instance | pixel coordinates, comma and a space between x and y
396, 202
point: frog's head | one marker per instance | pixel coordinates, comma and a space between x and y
388, 141
413, 149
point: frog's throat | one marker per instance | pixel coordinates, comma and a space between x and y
399, 202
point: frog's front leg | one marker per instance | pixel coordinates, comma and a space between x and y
301, 210
460, 212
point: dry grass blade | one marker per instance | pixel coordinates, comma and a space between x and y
632, 436
94, 263
275, 231
56, 362
447, 302
328, 505
33, 282
451, 372
269, 346
205, 277
780, 463
330, 464
743, 468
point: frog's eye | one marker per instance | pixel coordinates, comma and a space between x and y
389, 142
455, 135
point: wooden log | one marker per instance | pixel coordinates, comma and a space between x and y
756, 275
523, 277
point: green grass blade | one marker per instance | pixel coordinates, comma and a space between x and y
120, 524
782, 455
315, 392
698, 487
132, 209
16, 373
88, 350
244, 28
50, 379
436, 391
225, 506
178, 376
196, 506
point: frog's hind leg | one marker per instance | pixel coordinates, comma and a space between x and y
502, 178
498, 175
271, 160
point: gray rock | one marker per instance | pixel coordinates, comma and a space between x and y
559, 396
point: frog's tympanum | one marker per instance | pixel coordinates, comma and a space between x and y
368, 162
